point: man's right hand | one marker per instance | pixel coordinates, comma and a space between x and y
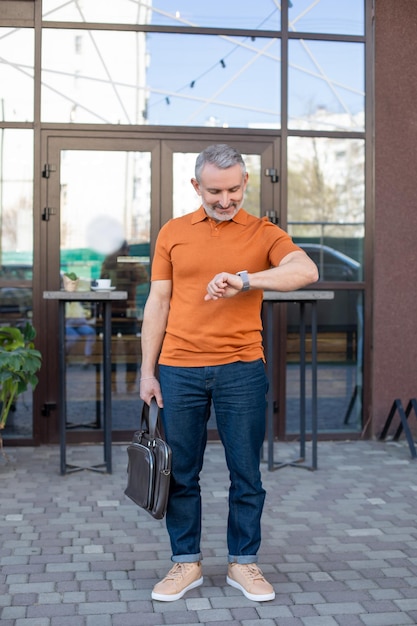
150, 388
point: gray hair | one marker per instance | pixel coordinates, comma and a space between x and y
222, 156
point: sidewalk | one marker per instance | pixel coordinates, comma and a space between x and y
339, 544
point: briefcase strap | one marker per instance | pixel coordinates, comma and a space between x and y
149, 419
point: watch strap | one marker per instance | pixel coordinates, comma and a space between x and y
245, 279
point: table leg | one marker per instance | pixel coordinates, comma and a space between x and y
62, 387
302, 382
270, 394
314, 383
107, 416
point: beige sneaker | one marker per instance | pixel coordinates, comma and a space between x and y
250, 580
180, 579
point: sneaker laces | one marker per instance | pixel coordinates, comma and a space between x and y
178, 571
252, 571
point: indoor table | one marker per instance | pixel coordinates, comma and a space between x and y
105, 299
301, 297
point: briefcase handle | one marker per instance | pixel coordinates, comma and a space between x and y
149, 419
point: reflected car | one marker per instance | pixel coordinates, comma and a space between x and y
344, 312
333, 265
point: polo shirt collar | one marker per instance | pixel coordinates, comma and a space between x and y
200, 215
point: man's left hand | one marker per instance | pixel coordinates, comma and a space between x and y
223, 285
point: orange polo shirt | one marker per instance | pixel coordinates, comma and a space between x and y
190, 250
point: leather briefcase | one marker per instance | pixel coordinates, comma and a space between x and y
149, 464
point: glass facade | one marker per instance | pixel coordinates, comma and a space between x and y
295, 70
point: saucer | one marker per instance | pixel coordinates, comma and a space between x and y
103, 288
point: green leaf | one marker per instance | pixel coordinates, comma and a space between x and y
19, 362
71, 275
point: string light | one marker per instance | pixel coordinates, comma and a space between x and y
222, 62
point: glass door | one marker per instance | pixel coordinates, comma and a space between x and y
105, 201
105, 204
97, 225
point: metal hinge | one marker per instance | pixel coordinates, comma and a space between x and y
47, 408
47, 212
48, 169
273, 174
272, 216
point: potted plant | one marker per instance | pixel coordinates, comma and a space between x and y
71, 281
19, 363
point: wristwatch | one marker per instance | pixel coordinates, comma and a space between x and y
245, 278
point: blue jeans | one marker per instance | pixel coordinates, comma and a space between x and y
238, 391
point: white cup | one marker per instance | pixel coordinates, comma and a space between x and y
103, 283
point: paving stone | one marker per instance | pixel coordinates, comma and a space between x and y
319, 621
34, 621
387, 619
99, 620
12, 612
74, 620
50, 610
146, 619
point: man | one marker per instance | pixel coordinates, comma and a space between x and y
202, 325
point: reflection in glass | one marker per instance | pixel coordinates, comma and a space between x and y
127, 273
184, 197
326, 85
16, 225
339, 364
203, 81
326, 202
105, 233
261, 14
16, 252
186, 200
344, 17
16, 70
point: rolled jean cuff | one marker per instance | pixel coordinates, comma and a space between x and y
243, 559
186, 558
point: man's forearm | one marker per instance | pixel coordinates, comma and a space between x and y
153, 331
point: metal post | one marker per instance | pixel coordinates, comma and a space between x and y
107, 416
62, 386
314, 383
302, 382
270, 370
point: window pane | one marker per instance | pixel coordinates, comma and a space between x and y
326, 85
213, 81
203, 81
105, 233
339, 364
16, 70
345, 17
16, 252
262, 14
326, 203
